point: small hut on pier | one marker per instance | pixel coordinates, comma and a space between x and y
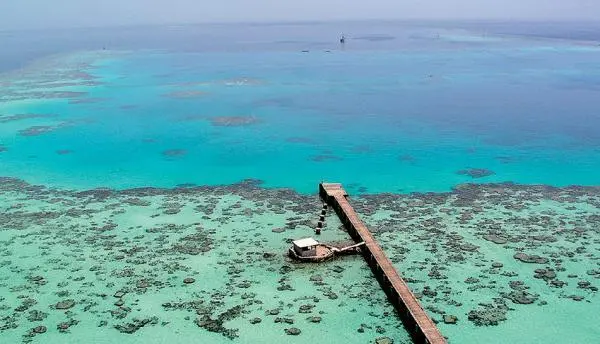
306, 247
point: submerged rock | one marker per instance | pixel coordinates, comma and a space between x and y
306, 308
521, 297
209, 324
292, 331
64, 326
36, 315
284, 320
39, 329
66, 304
216, 324
135, 325
531, 259
450, 319
489, 315
545, 274
496, 239
194, 244
384, 340
26, 304
472, 280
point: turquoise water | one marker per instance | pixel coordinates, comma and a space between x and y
381, 121
396, 110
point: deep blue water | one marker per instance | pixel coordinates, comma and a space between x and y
21, 47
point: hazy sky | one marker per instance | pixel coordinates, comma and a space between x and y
19, 14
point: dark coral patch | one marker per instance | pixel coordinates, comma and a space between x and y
174, 153
45, 129
325, 157
45, 95
233, 121
407, 158
86, 100
362, 149
185, 94
3, 149
299, 140
505, 159
37, 130
476, 172
64, 151
193, 118
18, 117
496, 239
531, 259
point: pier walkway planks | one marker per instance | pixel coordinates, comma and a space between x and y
415, 319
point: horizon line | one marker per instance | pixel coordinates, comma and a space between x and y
314, 21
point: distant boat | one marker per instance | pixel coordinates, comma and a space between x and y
343, 39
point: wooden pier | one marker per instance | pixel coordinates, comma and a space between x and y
414, 317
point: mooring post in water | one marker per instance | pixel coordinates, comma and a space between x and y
415, 319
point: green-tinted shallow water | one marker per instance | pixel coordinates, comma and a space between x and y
86, 249
141, 244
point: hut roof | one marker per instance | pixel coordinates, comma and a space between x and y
306, 242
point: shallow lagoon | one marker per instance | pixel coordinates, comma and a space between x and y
507, 261
141, 245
